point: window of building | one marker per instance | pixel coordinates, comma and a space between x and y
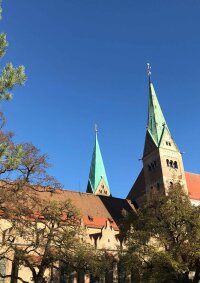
175, 164
152, 166
167, 161
171, 163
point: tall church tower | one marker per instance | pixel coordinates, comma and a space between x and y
97, 183
162, 160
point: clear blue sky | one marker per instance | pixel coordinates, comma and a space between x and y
86, 64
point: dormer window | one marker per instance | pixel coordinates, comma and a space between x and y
90, 218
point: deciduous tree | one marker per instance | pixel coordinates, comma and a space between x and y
164, 240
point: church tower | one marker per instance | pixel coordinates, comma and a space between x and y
162, 160
97, 183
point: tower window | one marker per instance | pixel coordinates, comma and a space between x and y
169, 143
167, 160
175, 164
166, 143
152, 165
102, 186
171, 163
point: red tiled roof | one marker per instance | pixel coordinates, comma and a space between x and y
95, 210
99, 222
193, 184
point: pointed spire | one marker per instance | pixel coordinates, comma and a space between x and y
157, 127
156, 120
97, 183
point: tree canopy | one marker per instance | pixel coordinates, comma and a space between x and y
164, 239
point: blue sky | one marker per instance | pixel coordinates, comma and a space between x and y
86, 64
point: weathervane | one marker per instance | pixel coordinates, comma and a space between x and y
149, 71
96, 128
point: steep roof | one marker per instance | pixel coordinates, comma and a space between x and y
95, 210
156, 120
97, 169
156, 125
138, 188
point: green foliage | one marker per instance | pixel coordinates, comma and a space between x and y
9, 78
164, 240
3, 44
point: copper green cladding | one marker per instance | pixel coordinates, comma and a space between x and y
156, 122
97, 183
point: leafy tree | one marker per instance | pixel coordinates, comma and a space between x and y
10, 76
164, 240
45, 235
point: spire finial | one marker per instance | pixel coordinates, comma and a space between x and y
149, 71
96, 128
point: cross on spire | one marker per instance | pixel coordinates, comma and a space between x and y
149, 71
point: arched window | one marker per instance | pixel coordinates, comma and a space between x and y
171, 163
175, 164
167, 160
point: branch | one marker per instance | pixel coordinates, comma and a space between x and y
15, 277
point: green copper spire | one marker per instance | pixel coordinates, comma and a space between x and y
97, 183
156, 127
156, 120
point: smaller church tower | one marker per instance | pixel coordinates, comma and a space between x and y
97, 183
